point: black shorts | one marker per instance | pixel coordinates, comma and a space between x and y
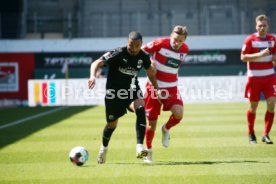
117, 107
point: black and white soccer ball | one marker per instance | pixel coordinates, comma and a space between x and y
78, 155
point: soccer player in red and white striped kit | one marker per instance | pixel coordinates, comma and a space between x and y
258, 52
167, 55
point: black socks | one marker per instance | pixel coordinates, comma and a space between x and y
107, 132
140, 124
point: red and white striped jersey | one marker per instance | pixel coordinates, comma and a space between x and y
166, 60
262, 66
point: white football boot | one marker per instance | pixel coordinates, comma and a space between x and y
102, 155
148, 158
140, 151
165, 137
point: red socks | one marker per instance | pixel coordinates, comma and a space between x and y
172, 122
150, 133
268, 122
250, 121
269, 117
149, 137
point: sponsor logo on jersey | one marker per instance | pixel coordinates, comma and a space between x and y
128, 71
173, 63
140, 63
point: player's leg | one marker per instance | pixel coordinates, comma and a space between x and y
107, 132
270, 95
175, 105
251, 116
114, 108
269, 119
138, 107
252, 92
152, 108
175, 118
150, 132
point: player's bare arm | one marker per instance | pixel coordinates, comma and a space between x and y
274, 59
250, 57
151, 72
93, 71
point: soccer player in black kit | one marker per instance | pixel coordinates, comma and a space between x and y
123, 64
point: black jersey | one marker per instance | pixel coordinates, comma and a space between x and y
123, 68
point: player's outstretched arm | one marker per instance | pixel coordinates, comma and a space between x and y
93, 71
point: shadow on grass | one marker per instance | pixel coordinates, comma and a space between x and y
193, 163
14, 133
207, 162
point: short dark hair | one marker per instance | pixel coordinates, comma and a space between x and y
134, 35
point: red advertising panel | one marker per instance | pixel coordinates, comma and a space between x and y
15, 70
45, 91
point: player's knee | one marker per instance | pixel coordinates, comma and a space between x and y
111, 125
140, 113
178, 115
253, 109
152, 125
271, 109
177, 111
271, 104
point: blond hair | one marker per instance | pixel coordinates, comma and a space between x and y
180, 30
261, 18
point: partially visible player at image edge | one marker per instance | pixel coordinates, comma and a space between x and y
258, 52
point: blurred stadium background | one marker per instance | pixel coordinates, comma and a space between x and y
39, 38
22, 19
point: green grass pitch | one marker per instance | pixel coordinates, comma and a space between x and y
209, 146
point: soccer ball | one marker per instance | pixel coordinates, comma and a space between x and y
78, 155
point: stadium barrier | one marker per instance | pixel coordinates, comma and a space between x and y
74, 92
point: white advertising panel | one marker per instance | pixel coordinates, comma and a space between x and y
73, 92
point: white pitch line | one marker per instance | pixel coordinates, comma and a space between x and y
31, 118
